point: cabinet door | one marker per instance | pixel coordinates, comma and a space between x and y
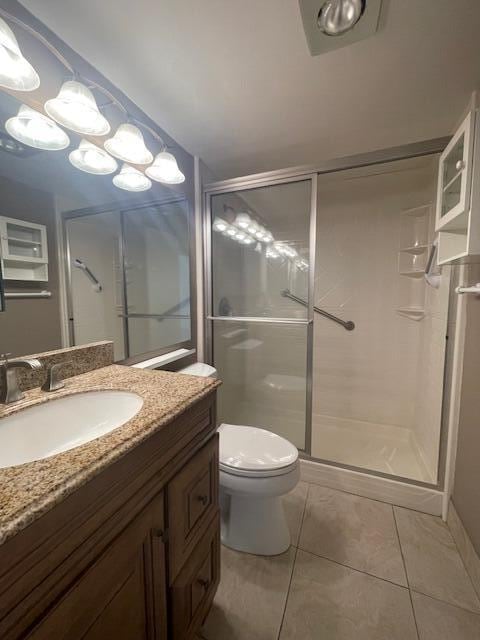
122, 594
454, 176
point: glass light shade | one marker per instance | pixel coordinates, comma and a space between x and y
92, 159
231, 232
220, 225
247, 240
240, 236
128, 145
76, 109
15, 71
37, 130
243, 220
272, 253
165, 169
131, 179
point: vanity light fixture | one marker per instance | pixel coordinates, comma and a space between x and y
75, 108
131, 179
36, 130
92, 159
268, 238
243, 220
128, 145
165, 169
247, 240
220, 225
16, 72
272, 253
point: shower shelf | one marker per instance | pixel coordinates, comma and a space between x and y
416, 249
415, 313
413, 274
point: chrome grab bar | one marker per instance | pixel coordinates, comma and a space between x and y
346, 324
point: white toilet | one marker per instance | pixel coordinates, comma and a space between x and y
257, 468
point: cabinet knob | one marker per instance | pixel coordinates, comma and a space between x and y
159, 533
203, 500
204, 583
460, 165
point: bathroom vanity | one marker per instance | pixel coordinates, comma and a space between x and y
118, 538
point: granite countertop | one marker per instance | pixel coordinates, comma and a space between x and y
29, 490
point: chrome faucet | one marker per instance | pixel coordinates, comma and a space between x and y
9, 388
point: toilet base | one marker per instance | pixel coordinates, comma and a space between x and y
254, 525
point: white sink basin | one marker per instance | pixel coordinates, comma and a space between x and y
46, 429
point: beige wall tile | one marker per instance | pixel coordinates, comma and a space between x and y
354, 531
331, 602
434, 566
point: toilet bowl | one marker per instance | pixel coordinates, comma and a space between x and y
257, 468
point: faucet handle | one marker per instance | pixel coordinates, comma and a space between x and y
53, 381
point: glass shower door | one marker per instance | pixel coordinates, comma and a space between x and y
260, 317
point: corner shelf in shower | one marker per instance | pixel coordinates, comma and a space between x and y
414, 313
413, 274
416, 249
412, 260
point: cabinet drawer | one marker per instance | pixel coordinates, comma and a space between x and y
192, 503
193, 591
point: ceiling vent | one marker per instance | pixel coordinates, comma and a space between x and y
331, 24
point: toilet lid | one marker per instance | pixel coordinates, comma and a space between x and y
254, 449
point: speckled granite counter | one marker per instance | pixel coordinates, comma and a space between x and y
29, 490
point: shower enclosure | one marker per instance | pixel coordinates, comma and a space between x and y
128, 277
319, 316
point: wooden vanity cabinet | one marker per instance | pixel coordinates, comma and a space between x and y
141, 563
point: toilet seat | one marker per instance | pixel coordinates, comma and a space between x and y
270, 473
255, 453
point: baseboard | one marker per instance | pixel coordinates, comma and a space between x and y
465, 547
374, 487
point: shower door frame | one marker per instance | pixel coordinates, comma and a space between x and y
121, 208
242, 185
296, 174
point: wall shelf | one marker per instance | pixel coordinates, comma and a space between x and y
415, 313
458, 194
413, 274
23, 250
415, 249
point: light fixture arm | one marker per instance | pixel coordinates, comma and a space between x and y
152, 132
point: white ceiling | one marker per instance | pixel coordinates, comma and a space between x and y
234, 83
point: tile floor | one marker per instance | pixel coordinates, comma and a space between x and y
357, 569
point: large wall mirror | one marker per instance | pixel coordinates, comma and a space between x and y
91, 248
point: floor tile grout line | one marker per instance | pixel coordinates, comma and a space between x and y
400, 546
294, 561
303, 515
450, 604
288, 593
463, 563
406, 573
347, 566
